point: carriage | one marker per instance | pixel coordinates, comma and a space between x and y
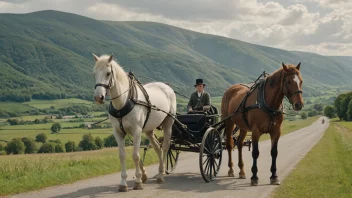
199, 132
202, 133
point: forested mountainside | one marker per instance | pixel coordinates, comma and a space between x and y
48, 55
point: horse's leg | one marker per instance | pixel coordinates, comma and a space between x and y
120, 139
167, 125
144, 172
136, 158
243, 133
229, 127
255, 155
274, 142
156, 146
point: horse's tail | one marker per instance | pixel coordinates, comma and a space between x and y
224, 103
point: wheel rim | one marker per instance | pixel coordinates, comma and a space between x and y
210, 155
171, 160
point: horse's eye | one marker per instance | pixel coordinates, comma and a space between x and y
289, 82
108, 74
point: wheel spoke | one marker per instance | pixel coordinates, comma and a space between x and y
206, 161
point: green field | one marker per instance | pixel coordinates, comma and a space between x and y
62, 103
326, 170
15, 107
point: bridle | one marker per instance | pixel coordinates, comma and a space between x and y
289, 94
108, 86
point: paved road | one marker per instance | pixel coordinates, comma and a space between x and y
187, 181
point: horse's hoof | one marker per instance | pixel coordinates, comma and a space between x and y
274, 181
254, 182
160, 180
242, 176
138, 186
231, 173
123, 188
144, 178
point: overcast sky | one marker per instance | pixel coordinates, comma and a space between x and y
320, 26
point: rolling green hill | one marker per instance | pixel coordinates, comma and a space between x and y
48, 55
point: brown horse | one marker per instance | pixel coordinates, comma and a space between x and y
259, 108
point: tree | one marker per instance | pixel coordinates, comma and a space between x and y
48, 147
337, 103
41, 137
59, 148
344, 105
31, 146
99, 142
88, 143
110, 141
70, 146
329, 111
56, 127
312, 113
318, 107
15, 146
304, 115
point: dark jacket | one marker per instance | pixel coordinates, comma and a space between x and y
199, 103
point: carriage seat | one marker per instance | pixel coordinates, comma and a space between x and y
194, 122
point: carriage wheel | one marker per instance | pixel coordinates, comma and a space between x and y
171, 160
210, 155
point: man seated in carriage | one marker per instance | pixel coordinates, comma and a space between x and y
200, 99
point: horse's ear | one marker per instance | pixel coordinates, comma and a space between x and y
298, 66
95, 57
284, 67
110, 58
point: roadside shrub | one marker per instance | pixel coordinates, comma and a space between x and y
304, 115
41, 137
31, 146
99, 142
110, 141
48, 147
88, 143
15, 146
70, 146
59, 148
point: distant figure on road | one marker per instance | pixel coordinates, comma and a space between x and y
323, 121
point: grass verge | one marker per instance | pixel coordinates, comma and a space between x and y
326, 171
24, 173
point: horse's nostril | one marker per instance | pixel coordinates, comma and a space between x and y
101, 97
298, 106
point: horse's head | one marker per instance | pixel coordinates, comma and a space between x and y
103, 73
292, 85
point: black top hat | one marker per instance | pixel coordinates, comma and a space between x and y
199, 82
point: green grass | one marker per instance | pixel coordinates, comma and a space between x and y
62, 103
15, 107
22, 173
290, 126
326, 170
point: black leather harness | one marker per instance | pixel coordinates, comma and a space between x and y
260, 102
132, 100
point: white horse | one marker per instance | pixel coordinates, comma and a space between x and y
110, 77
